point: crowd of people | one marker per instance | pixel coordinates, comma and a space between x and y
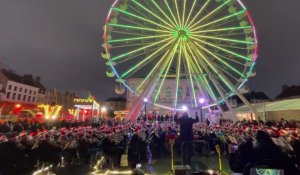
25, 146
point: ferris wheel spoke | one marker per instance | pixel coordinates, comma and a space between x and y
141, 18
135, 56
228, 58
214, 68
191, 77
139, 49
221, 29
172, 54
209, 14
121, 40
130, 45
198, 67
212, 77
183, 13
223, 39
178, 15
158, 7
152, 71
172, 14
190, 13
137, 28
225, 45
128, 33
139, 65
198, 13
221, 60
218, 20
223, 49
178, 75
149, 11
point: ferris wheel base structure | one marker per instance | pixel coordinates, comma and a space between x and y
211, 45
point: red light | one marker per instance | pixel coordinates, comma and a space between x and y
18, 105
85, 111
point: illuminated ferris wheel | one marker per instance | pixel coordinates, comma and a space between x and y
210, 44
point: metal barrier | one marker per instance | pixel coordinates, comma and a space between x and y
204, 143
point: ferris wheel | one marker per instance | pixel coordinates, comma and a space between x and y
209, 44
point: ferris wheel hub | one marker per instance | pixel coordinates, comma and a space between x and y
182, 35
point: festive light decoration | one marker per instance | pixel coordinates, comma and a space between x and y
51, 112
210, 43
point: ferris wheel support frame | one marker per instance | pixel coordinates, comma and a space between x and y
152, 83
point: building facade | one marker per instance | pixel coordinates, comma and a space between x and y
166, 96
55, 97
16, 89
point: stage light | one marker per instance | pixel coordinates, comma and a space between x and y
201, 100
184, 108
145, 100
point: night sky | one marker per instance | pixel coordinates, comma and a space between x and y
60, 40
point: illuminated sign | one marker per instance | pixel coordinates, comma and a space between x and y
121, 112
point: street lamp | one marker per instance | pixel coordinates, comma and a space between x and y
201, 101
103, 109
145, 103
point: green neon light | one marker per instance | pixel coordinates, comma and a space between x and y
218, 20
198, 13
166, 72
178, 75
137, 38
143, 7
224, 39
191, 79
144, 60
171, 13
136, 27
214, 69
153, 1
151, 72
225, 50
141, 18
222, 29
183, 13
137, 50
178, 15
211, 13
189, 15
199, 67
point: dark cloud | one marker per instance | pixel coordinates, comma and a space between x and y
60, 40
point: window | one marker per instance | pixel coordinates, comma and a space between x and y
14, 96
33, 99
24, 98
19, 96
9, 87
29, 98
25, 90
20, 89
15, 88
30, 91
8, 95
34, 93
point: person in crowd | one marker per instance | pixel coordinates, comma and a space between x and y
186, 135
270, 155
241, 157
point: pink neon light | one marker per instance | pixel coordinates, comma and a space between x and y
109, 13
